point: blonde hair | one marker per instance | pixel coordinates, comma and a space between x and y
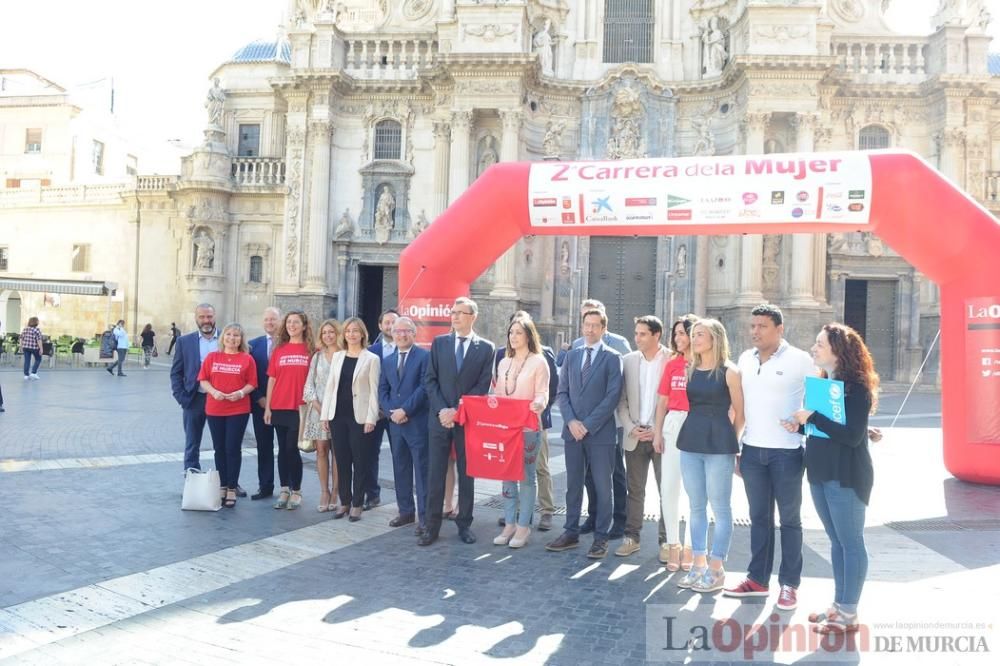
336, 334
719, 355
342, 340
243, 337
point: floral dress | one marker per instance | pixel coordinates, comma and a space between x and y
319, 371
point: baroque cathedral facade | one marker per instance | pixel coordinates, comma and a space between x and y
328, 150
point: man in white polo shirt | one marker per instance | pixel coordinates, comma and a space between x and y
771, 459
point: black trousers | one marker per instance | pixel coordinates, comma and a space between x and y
264, 434
438, 452
286, 425
352, 448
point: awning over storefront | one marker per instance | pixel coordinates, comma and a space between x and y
77, 287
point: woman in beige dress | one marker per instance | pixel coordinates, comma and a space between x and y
319, 372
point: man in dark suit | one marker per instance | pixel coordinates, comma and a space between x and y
542, 463
260, 349
383, 347
461, 363
191, 351
402, 396
590, 385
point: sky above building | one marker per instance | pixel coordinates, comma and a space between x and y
160, 54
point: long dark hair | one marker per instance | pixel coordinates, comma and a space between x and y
530, 332
854, 361
687, 321
147, 328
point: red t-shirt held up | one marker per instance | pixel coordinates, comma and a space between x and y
673, 385
289, 366
494, 435
228, 373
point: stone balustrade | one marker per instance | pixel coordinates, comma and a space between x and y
396, 57
896, 60
73, 194
258, 171
155, 183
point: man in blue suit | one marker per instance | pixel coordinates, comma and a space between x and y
402, 396
191, 351
260, 349
590, 385
383, 347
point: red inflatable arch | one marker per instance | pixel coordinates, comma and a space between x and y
898, 196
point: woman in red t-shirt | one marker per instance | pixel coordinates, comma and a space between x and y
287, 370
228, 376
671, 410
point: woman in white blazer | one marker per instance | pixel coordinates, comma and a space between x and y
350, 410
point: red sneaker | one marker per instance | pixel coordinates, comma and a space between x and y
747, 588
787, 598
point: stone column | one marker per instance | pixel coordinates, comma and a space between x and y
442, 134
951, 144
702, 261
752, 246
320, 132
504, 285
803, 254
447, 10
458, 164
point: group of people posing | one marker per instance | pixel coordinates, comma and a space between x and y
688, 411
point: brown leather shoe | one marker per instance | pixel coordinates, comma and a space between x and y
599, 550
399, 521
565, 541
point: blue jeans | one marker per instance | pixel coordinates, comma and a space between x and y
227, 440
194, 426
774, 476
519, 496
409, 469
708, 477
843, 516
28, 354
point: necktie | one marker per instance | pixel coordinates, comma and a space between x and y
588, 357
460, 353
269, 346
402, 362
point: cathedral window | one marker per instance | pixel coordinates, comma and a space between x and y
81, 258
388, 140
873, 137
33, 141
256, 268
97, 157
628, 30
249, 145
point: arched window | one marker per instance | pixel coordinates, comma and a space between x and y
873, 137
388, 140
256, 268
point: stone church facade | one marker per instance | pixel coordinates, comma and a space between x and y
330, 149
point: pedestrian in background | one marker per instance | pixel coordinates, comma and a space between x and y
148, 345
121, 348
174, 334
31, 347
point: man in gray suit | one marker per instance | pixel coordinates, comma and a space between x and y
590, 385
461, 363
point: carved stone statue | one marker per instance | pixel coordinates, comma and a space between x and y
680, 268
713, 43
345, 227
552, 143
383, 216
204, 248
704, 141
627, 111
489, 156
214, 102
542, 43
564, 267
419, 225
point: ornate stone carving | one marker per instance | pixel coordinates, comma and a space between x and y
293, 203
627, 111
851, 11
714, 48
771, 269
442, 131
488, 155
552, 143
564, 255
419, 224
399, 110
385, 210
204, 250
345, 227
511, 119
486, 86
414, 10
704, 143
542, 44
461, 121
490, 32
680, 263
215, 102
782, 33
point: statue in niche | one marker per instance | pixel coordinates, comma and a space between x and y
625, 141
552, 143
419, 225
542, 42
564, 267
214, 102
772, 248
345, 227
681, 263
704, 142
384, 210
204, 251
714, 53
489, 156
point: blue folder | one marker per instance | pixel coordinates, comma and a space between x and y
825, 396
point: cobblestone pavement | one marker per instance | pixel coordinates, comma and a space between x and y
101, 566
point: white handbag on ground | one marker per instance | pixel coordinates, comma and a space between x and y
201, 491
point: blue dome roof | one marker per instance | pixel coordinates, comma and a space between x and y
264, 51
993, 63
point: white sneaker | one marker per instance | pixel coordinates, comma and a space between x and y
26, 378
33, 376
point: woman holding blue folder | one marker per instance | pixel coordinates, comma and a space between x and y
839, 469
